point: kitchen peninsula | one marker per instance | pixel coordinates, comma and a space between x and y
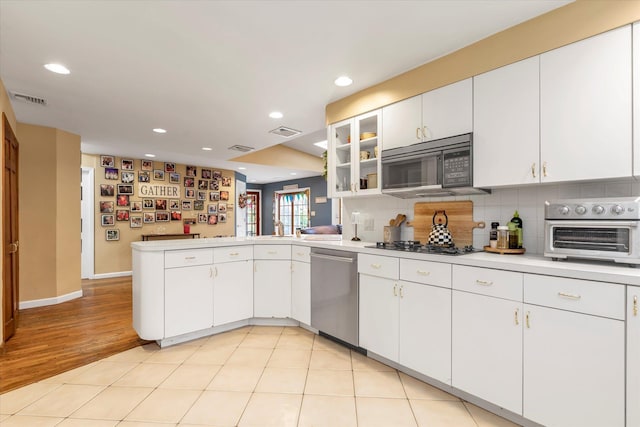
530, 339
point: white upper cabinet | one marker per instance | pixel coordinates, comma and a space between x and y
506, 125
443, 112
636, 99
585, 109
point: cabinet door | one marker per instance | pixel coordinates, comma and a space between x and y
379, 321
585, 109
339, 159
636, 101
506, 125
188, 299
301, 292
402, 123
448, 111
366, 153
633, 356
487, 349
232, 292
425, 330
272, 288
573, 368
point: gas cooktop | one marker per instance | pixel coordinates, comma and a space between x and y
417, 247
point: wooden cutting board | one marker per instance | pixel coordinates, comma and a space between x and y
461, 223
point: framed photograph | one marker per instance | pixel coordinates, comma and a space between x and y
187, 205
136, 206
206, 173
122, 215
112, 235
217, 174
169, 167
202, 195
122, 200
135, 221
176, 216
189, 221
106, 206
174, 178
189, 182
146, 165
222, 217
148, 204
162, 216
107, 161
214, 196
203, 184
202, 218
212, 219
158, 175
214, 185
126, 165
144, 176
191, 171
148, 217
224, 195
107, 220
161, 204
226, 181
212, 209
174, 205
127, 177
125, 189
222, 207
110, 173
190, 193
198, 205
107, 190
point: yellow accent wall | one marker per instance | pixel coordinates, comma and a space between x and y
575, 21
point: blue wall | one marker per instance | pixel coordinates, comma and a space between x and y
318, 188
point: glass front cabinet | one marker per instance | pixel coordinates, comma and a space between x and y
353, 167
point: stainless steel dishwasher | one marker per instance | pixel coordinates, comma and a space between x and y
334, 294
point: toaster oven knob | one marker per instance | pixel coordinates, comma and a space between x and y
617, 209
598, 210
564, 210
581, 210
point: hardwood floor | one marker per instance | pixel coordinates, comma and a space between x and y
54, 339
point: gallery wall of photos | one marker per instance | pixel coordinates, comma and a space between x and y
162, 198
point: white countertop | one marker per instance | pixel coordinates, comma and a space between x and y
535, 264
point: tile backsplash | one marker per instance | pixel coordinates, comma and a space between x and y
376, 211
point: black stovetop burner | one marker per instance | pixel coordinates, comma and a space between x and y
416, 246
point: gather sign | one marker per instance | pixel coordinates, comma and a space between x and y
159, 190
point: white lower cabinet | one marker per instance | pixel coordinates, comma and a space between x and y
188, 299
272, 288
232, 292
379, 316
301, 291
633, 356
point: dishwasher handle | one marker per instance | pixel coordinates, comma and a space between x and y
333, 258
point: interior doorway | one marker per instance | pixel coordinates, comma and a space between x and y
254, 227
86, 223
10, 254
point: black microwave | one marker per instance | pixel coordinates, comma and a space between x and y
441, 167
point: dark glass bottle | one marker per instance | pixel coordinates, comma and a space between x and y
518, 222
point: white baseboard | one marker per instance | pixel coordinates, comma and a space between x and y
49, 301
110, 275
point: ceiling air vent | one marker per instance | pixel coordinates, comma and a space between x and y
28, 99
242, 148
285, 131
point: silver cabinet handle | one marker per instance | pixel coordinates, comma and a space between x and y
395, 290
527, 320
376, 266
423, 273
272, 252
484, 282
516, 316
189, 257
418, 133
216, 272
533, 170
210, 272
234, 253
570, 296
300, 253
425, 132
544, 169
401, 294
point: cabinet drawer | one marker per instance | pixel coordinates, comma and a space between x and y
429, 273
380, 266
272, 252
187, 257
582, 296
300, 253
486, 281
232, 253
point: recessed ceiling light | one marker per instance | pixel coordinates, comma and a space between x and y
160, 130
57, 68
241, 168
321, 144
276, 115
254, 180
343, 81
293, 173
207, 148
149, 155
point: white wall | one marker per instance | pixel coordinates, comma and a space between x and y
375, 212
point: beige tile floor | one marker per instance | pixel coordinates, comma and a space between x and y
255, 376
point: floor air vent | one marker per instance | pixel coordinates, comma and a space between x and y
28, 99
285, 131
242, 148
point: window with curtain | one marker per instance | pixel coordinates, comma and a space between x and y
293, 209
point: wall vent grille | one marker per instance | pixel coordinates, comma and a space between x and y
285, 131
30, 99
242, 148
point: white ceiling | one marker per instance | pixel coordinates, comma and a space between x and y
211, 71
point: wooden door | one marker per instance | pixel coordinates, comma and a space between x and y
10, 231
